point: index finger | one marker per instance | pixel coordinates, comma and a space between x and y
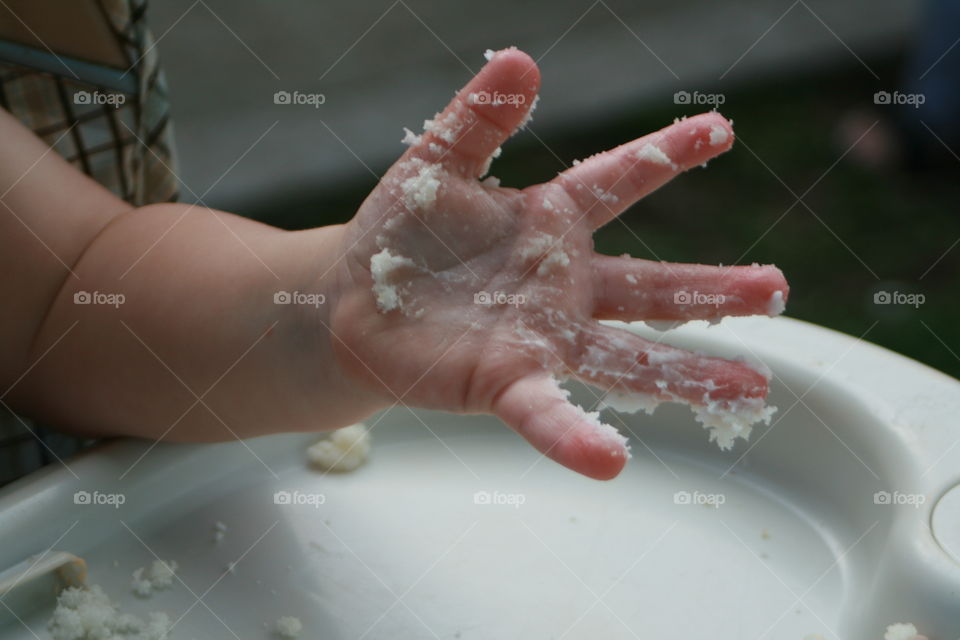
605, 184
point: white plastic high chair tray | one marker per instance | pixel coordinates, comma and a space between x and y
826, 522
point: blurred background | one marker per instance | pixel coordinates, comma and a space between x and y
840, 176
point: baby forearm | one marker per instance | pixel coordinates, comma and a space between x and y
177, 327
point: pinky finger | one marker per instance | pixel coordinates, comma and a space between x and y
537, 409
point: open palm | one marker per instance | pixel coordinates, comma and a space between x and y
461, 295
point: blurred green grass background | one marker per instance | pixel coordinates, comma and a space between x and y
864, 232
